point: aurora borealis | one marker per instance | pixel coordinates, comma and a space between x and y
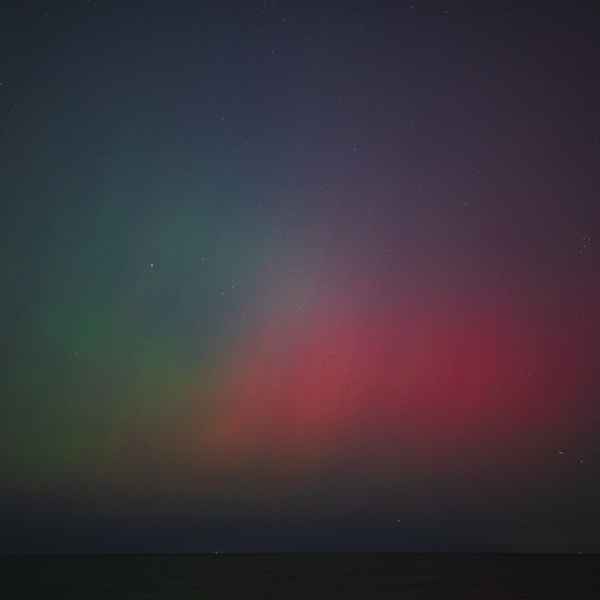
279, 276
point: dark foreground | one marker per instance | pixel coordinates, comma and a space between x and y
312, 576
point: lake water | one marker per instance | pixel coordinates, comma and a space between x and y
405, 576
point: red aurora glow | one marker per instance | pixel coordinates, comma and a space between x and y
402, 384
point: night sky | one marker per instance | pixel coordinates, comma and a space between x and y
284, 275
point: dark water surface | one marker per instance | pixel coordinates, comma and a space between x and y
174, 577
